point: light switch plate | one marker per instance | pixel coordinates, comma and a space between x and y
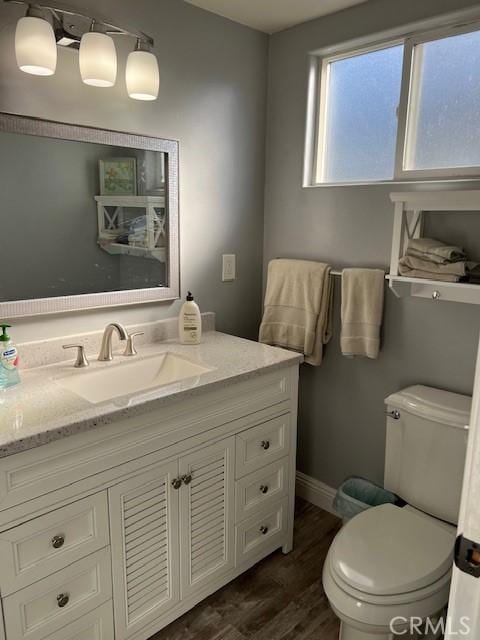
229, 267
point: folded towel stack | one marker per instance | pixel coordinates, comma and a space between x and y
433, 260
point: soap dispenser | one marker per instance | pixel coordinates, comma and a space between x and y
9, 375
190, 322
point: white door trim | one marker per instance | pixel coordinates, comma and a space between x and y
464, 603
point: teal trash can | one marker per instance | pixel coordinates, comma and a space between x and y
358, 494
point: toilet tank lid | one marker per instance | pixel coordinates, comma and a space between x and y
449, 408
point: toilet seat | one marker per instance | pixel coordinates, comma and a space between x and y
378, 551
373, 614
401, 599
389, 551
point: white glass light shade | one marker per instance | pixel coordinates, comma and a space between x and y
98, 59
142, 76
35, 46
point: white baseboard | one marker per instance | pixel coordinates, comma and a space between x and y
316, 492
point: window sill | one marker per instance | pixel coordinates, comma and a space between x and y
372, 183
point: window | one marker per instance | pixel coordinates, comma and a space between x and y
444, 120
403, 110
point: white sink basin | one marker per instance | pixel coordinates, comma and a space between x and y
115, 380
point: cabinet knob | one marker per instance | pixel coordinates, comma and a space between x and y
265, 444
177, 483
62, 599
264, 488
436, 295
264, 530
58, 541
187, 478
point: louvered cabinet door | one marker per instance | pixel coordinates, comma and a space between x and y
144, 534
206, 514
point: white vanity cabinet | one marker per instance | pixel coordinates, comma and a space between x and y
171, 531
113, 533
206, 515
145, 551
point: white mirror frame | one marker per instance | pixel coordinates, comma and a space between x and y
31, 126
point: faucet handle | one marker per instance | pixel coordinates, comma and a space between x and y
130, 348
82, 360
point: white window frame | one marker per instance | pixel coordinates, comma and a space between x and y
317, 105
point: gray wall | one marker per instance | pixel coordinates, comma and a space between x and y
341, 420
212, 99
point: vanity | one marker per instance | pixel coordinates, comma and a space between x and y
132, 488
117, 516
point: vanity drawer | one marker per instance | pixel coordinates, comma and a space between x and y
47, 606
261, 534
53, 541
260, 489
261, 445
97, 625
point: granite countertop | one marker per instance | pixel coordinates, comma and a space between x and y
40, 410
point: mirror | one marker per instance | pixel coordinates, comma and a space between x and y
89, 218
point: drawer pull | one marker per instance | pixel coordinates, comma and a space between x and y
263, 530
186, 479
177, 483
265, 444
62, 600
264, 488
58, 542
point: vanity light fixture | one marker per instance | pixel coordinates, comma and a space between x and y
45, 27
142, 75
97, 59
35, 45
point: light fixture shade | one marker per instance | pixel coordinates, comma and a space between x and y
142, 76
98, 59
35, 46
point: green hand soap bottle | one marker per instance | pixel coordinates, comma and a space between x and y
9, 375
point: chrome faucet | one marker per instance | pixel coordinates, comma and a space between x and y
105, 354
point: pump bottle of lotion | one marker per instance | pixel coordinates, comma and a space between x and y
190, 322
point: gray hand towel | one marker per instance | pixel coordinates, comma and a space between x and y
362, 311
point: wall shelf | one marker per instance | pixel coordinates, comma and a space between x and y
116, 249
143, 232
408, 223
434, 289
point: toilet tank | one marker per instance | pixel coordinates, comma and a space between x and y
426, 444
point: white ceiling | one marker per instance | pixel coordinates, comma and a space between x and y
273, 15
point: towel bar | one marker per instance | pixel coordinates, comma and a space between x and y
335, 272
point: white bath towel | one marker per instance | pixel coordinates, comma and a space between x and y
461, 269
362, 311
297, 310
434, 251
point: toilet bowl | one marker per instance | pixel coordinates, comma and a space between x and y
387, 566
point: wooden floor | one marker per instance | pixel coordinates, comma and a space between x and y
281, 598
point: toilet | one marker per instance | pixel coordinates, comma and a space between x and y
390, 566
